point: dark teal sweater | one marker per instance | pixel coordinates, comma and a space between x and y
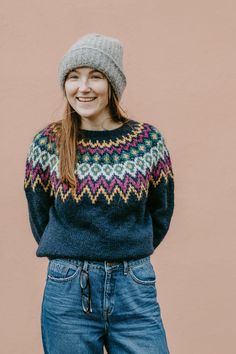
124, 198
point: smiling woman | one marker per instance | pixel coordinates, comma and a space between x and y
100, 193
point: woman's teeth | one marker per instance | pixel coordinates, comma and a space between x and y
86, 99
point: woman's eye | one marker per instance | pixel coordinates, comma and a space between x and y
93, 76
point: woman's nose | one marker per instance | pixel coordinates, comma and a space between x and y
83, 86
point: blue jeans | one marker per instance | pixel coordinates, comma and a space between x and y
124, 315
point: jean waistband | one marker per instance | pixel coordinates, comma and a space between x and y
101, 264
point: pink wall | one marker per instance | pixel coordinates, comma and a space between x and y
179, 58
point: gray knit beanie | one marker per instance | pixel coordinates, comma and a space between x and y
100, 52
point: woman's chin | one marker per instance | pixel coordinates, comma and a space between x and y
86, 112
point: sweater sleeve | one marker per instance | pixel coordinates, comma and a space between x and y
161, 189
37, 185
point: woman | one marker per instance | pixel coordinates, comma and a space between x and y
100, 193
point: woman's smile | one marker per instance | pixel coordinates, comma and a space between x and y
85, 100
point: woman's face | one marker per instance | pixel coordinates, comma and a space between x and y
87, 82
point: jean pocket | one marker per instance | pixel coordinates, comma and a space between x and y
61, 270
143, 274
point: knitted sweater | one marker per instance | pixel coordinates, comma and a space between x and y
124, 197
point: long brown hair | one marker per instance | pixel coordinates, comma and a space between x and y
67, 131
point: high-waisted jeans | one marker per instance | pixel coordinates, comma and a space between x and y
124, 315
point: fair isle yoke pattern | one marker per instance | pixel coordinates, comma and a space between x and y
123, 166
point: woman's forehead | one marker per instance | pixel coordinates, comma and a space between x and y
85, 68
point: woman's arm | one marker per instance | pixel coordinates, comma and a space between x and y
161, 189
37, 184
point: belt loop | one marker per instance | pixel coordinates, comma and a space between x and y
125, 267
